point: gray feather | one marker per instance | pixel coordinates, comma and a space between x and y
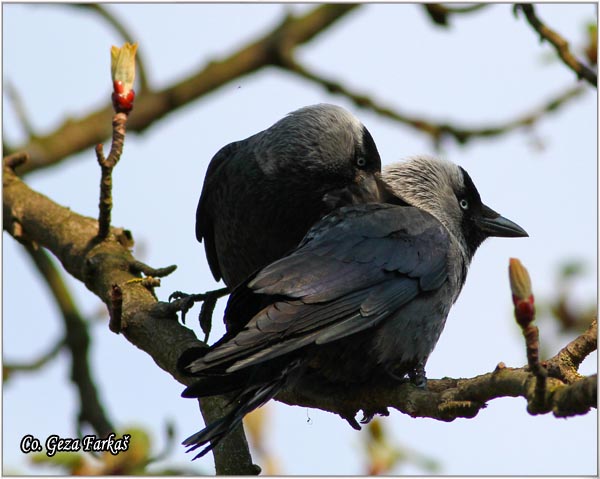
362, 299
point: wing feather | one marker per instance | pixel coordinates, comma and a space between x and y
343, 279
205, 228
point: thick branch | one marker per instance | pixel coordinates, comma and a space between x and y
448, 399
76, 135
150, 326
560, 45
575, 399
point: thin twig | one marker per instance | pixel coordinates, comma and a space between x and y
437, 130
523, 300
19, 108
36, 364
466, 8
532, 342
170, 442
79, 134
559, 43
107, 165
139, 267
440, 13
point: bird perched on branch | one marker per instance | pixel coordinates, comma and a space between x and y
262, 194
362, 299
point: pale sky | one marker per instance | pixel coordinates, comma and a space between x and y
488, 67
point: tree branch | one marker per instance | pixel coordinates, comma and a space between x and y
8, 368
448, 399
565, 364
524, 303
440, 14
76, 135
273, 49
19, 108
151, 327
437, 130
77, 340
106, 166
559, 43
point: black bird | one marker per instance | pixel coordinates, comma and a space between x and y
262, 194
362, 299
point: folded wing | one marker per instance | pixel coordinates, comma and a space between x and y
354, 269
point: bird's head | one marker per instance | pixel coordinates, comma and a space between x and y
320, 142
446, 191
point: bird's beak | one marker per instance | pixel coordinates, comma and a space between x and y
369, 185
493, 224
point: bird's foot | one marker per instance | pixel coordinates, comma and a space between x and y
183, 302
417, 376
369, 414
350, 417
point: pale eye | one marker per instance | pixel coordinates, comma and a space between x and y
464, 204
361, 161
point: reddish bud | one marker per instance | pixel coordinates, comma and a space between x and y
520, 283
118, 87
123, 76
524, 311
122, 100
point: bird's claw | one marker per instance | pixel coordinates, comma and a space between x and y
175, 295
369, 414
183, 302
417, 376
351, 420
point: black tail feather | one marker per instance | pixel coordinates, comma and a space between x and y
188, 356
211, 435
216, 385
249, 399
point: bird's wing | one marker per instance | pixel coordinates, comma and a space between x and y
215, 178
355, 268
354, 248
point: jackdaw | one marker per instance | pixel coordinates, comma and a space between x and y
362, 300
262, 194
